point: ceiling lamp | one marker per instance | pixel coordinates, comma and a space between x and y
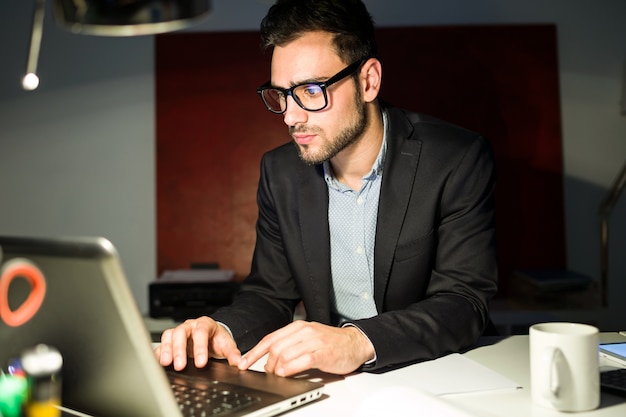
112, 18
128, 17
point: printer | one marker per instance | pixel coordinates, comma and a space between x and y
189, 293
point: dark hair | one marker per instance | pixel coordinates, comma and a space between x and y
348, 20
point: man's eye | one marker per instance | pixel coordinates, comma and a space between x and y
312, 90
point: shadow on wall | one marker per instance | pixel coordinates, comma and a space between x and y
583, 226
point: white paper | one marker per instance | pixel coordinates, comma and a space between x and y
451, 374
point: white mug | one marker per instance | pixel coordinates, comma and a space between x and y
564, 372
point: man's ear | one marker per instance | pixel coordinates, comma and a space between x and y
371, 79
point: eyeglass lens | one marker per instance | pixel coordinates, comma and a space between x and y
308, 96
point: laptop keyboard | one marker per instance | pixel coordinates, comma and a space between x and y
614, 381
199, 398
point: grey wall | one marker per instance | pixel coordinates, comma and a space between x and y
77, 155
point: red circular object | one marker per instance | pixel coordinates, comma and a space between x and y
21, 268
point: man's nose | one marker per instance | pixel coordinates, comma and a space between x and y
294, 114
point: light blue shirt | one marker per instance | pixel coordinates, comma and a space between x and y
352, 217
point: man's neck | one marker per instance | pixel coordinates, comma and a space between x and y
354, 162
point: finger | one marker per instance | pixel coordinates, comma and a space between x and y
201, 331
164, 350
300, 363
293, 341
211, 339
283, 344
180, 337
157, 353
296, 353
257, 352
281, 350
234, 357
224, 346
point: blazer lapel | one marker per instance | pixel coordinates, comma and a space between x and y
313, 213
398, 177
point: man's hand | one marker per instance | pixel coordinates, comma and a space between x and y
305, 345
201, 339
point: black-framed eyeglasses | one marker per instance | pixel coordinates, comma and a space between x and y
310, 96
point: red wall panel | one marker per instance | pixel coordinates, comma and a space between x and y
212, 129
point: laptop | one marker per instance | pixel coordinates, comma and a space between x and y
109, 370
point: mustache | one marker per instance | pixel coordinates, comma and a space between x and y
304, 129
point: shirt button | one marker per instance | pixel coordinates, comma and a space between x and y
365, 296
359, 250
360, 201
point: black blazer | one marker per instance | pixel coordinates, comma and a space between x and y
434, 258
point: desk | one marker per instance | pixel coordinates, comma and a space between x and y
509, 357
359, 395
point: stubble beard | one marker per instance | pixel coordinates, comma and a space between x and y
348, 136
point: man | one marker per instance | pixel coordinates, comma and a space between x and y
379, 220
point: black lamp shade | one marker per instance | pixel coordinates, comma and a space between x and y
128, 17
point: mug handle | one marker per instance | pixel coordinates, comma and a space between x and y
554, 364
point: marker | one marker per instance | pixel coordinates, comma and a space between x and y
42, 365
13, 394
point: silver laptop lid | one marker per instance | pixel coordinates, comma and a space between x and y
89, 314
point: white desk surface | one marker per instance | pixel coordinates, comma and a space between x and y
360, 395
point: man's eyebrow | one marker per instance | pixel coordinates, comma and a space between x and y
301, 82
311, 80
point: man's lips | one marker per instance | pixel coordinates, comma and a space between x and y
303, 138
